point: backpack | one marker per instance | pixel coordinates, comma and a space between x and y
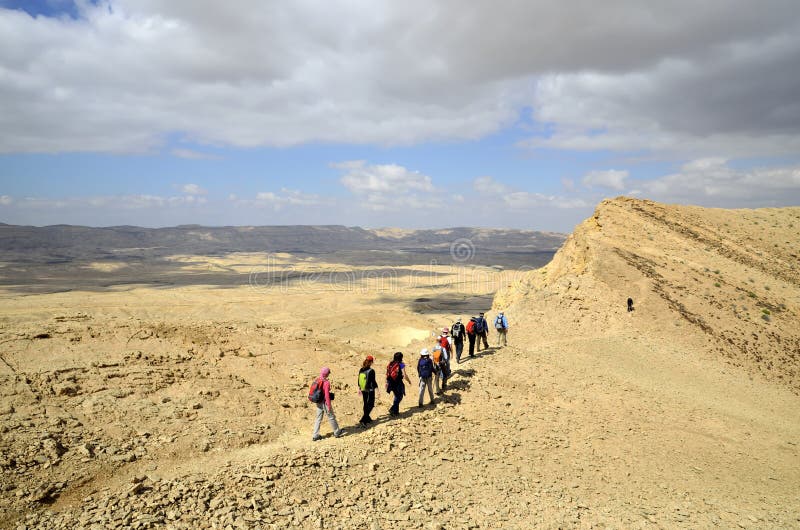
498, 323
456, 331
393, 371
445, 344
425, 368
363, 379
316, 394
437, 356
471, 327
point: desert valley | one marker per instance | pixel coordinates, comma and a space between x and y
159, 379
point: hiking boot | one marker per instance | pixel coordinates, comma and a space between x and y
316, 438
339, 433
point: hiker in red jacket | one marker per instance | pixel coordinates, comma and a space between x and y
472, 334
325, 407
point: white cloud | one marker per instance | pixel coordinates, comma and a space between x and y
286, 197
5, 200
609, 178
714, 182
361, 178
522, 200
489, 185
191, 154
193, 189
382, 187
696, 78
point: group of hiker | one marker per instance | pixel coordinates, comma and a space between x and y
433, 371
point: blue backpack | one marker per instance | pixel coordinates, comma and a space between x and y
425, 367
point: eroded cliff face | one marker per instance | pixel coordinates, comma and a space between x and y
728, 280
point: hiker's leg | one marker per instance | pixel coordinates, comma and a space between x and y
430, 388
365, 415
318, 420
485, 340
332, 419
398, 396
421, 389
369, 405
436, 381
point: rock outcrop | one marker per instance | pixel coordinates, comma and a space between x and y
726, 278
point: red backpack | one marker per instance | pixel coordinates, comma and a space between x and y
471, 327
393, 371
445, 344
316, 394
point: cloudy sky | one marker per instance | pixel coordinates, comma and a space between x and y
422, 113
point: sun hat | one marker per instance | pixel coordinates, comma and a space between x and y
325, 371
424, 352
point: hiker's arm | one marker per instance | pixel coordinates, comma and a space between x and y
326, 387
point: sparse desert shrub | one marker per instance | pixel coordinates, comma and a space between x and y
751, 280
766, 318
716, 284
716, 271
766, 311
766, 287
751, 294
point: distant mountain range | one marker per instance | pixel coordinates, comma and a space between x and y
64, 243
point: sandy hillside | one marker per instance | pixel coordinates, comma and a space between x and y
186, 408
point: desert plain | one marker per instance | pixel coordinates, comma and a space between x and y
183, 405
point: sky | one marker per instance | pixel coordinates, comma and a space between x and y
414, 114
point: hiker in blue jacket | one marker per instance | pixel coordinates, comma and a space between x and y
481, 329
501, 325
425, 373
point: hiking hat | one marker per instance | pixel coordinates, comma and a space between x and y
500, 314
445, 330
424, 352
481, 313
458, 320
325, 371
370, 358
437, 348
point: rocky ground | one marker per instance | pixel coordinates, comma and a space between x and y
186, 408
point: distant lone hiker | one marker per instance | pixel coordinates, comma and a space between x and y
501, 325
630, 305
324, 406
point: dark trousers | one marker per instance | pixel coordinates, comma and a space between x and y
369, 404
482, 336
399, 392
471, 337
459, 349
